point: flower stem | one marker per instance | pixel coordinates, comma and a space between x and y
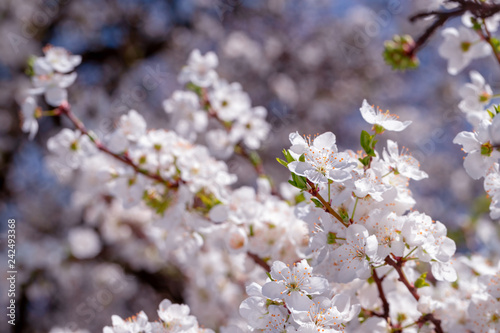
315, 192
354, 209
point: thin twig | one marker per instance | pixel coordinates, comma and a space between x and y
65, 109
385, 303
479, 10
398, 266
315, 192
259, 261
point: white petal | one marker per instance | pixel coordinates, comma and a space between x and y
55, 96
368, 113
325, 140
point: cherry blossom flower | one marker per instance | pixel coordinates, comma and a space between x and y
53, 87
184, 106
293, 285
84, 243
475, 95
386, 226
353, 258
251, 128
200, 69
492, 187
460, 47
403, 164
176, 316
28, 112
479, 146
325, 314
60, 59
384, 119
484, 311
71, 147
228, 100
322, 161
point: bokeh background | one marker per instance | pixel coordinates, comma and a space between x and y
310, 63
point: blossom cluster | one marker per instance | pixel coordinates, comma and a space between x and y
342, 246
482, 145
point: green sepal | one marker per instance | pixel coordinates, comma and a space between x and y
288, 156
299, 198
331, 238
420, 283
283, 163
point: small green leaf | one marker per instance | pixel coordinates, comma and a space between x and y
366, 143
283, 163
299, 198
300, 182
288, 156
365, 160
420, 283
317, 203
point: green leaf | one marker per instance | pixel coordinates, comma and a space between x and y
420, 283
317, 203
299, 198
365, 160
288, 156
283, 163
366, 143
300, 182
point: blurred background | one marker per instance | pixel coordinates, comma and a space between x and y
310, 63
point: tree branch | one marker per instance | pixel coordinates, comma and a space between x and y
398, 266
479, 10
385, 303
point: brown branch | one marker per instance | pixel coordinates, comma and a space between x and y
398, 266
486, 35
65, 109
385, 303
478, 10
259, 261
328, 208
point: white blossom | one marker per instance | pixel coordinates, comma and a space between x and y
386, 120
460, 47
